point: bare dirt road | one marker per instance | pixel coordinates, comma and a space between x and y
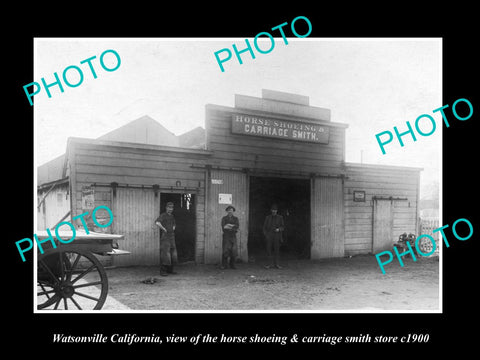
354, 283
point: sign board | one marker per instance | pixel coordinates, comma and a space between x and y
225, 199
88, 198
358, 195
279, 129
217, 181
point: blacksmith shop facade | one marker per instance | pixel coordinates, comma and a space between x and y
274, 149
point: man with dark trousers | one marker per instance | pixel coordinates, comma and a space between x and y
272, 229
230, 225
168, 249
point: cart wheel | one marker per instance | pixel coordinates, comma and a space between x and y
70, 280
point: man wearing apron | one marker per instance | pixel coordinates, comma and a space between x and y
230, 226
168, 250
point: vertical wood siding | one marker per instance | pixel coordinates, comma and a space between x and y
327, 218
103, 164
380, 182
134, 213
234, 183
382, 225
56, 205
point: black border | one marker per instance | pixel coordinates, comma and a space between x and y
456, 25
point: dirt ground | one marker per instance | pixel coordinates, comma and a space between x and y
354, 283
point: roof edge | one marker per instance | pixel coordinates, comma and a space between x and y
386, 167
79, 140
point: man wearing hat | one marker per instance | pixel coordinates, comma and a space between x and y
168, 250
272, 229
230, 226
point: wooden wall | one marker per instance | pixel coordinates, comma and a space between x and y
236, 184
244, 151
104, 162
54, 207
277, 157
380, 181
227, 154
328, 225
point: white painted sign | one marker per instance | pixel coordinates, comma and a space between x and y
217, 181
224, 198
88, 198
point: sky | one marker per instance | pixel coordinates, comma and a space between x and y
370, 84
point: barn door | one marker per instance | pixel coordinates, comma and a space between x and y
225, 187
134, 213
382, 225
328, 238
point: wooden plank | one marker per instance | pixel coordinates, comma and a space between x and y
382, 225
360, 237
110, 171
89, 179
275, 161
243, 148
73, 183
353, 179
356, 249
273, 156
234, 183
378, 181
328, 232
158, 164
220, 140
365, 245
80, 143
225, 159
128, 155
358, 215
352, 207
267, 149
382, 184
135, 211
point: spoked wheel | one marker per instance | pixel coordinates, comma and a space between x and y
70, 280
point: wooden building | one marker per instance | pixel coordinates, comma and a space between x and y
273, 149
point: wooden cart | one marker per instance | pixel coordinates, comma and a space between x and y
70, 276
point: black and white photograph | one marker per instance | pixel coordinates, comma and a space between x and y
266, 185
228, 180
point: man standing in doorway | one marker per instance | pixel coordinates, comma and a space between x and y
272, 229
168, 250
230, 226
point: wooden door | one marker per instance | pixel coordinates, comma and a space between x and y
134, 213
382, 225
328, 234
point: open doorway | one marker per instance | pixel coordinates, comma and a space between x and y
185, 231
292, 197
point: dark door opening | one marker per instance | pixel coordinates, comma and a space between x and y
292, 197
185, 231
